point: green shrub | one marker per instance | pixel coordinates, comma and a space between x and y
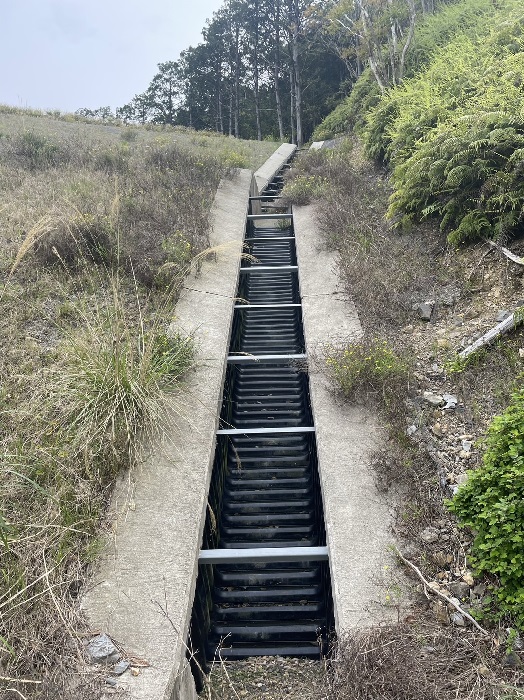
37, 152
303, 188
367, 367
491, 502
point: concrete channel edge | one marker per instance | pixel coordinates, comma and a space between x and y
143, 591
358, 519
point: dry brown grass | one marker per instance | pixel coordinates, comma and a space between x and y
86, 221
420, 660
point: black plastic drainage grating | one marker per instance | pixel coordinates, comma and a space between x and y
263, 586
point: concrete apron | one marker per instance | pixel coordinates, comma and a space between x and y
358, 520
143, 592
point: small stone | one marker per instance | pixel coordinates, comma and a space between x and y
468, 578
120, 668
424, 310
462, 478
521, 353
511, 660
429, 535
111, 681
457, 619
102, 650
411, 430
433, 399
135, 671
459, 589
409, 329
451, 401
467, 445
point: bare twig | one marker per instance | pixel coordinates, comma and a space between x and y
428, 585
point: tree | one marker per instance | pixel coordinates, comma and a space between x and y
383, 31
164, 93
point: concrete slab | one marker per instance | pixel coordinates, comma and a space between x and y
267, 172
358, 519
143, 592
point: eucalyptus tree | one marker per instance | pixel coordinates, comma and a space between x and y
165, 93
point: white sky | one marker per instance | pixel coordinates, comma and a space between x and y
66, 54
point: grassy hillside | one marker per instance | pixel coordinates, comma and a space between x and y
98, 225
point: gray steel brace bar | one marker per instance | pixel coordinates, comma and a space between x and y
265, 431
262, 554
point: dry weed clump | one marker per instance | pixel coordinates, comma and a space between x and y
419, 661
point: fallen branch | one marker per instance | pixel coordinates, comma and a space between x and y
504, 326
428, 585
507, 253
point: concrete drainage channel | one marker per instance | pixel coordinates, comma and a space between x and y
268, 589
263, 586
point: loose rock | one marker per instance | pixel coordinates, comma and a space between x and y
102, 650
459, 589
120, 668
424, 310
433, 399
457, 619
429, 535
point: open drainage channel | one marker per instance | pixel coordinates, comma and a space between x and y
263, 585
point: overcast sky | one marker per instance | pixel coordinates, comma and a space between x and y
66, 54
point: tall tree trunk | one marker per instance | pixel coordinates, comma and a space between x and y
256, 74
230, 111
237, 80
292, 100
298, 93
279, 103
276, 71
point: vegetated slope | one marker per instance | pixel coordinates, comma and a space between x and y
452, 136
453, 133
97, 227
406, 368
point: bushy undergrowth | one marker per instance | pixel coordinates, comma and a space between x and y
431, 33
418, 661
491, 502
453, 132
